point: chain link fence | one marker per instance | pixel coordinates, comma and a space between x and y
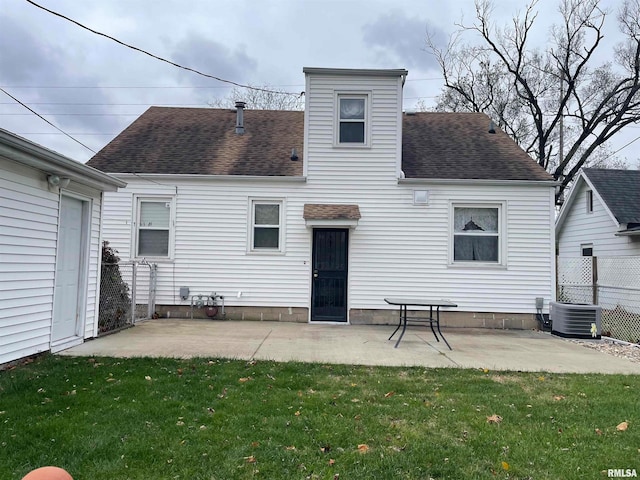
127, 294
613, 283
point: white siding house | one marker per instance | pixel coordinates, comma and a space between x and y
318, 216
50, 211
601, 216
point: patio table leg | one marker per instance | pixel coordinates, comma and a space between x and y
438, 325
403, 315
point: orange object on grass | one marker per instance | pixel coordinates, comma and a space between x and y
48, 473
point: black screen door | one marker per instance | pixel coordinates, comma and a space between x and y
329, 267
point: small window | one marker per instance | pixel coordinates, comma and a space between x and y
153, 223
352, 119
266, 225
476, 234
589, 201
587, 250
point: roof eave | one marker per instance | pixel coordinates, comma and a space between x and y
23, 151
219, 178
474, 181
362, 72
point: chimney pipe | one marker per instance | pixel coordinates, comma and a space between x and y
240, 117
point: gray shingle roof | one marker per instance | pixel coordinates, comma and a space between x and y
203, 141
459, 146
620, 190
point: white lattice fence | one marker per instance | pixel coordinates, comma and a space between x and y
575, 280
619, 297
616, 281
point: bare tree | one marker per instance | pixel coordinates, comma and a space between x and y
261, 98
557, 103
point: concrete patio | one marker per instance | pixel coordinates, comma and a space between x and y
519, 350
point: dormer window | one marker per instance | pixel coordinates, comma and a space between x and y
352, 120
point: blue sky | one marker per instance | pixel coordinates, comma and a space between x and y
92, 88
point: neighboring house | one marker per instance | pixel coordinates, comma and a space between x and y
319, 215
601, 216
50, 210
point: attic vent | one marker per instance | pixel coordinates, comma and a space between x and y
240, 117
575, 320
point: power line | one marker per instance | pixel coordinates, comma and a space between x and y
156, 56
41, 117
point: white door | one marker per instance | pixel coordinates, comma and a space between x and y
68, 284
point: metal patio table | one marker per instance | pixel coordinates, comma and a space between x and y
403, 320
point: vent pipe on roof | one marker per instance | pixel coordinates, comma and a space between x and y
492, 127
240, 117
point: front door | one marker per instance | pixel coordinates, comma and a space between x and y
329, 282
66, 308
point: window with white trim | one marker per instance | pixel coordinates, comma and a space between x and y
477, 234
266, 226
352, 126
154, 235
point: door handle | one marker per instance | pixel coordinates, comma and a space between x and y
315, 274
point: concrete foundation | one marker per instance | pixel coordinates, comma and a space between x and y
448, 318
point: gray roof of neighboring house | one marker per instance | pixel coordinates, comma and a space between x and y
619, 189
166, 140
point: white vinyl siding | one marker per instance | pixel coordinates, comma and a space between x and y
396, 249
28, 235
28, 244
597, 228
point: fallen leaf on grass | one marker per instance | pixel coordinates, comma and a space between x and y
325, 449
557, 398
505, 466
255, 444
363, 448
494, 419
250, 459
389, 394
147, 377
622, 426
598, 431
290, 448
297, 414
332, 462
244, 379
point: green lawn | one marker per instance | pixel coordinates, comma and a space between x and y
105, 418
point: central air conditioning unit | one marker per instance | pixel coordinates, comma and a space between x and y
575, 320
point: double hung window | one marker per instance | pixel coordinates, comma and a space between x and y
352, 120
153, 227
477, 234
266, 226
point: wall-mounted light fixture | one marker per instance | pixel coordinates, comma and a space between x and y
56, 181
